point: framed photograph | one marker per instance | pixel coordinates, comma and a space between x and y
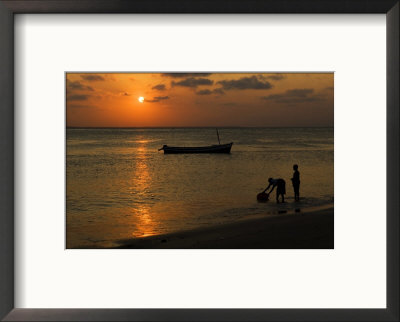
174, 160
197, 161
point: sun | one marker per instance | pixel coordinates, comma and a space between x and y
141, 99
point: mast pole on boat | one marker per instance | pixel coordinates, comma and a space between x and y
218, 137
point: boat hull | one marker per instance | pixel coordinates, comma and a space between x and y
222, 148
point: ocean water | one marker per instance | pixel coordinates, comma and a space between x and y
120, 186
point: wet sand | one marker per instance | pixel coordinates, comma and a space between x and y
301, 230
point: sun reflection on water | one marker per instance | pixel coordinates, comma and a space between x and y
141, 183
145, 226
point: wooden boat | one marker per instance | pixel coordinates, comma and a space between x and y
218, 148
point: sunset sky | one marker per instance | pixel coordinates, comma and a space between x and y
199, 99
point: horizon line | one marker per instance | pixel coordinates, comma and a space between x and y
185, 127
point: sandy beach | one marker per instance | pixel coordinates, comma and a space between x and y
300, 230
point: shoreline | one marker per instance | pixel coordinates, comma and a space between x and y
311, 229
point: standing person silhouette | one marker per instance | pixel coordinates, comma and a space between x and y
280, 185
296, 182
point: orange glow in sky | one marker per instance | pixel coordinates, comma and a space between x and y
199, 99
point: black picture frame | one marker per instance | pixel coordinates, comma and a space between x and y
7, 11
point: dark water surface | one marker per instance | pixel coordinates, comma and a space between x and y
119, 186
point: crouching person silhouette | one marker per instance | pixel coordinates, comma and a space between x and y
280, 186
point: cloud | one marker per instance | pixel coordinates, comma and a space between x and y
78, 97
245, 83
218, 91
204, 92
80, 106
183, 75
157, 99
91, 78
296, 100
292, 96
290, 93
275, 77
159, 87
77, 86
299, 92
193, 82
